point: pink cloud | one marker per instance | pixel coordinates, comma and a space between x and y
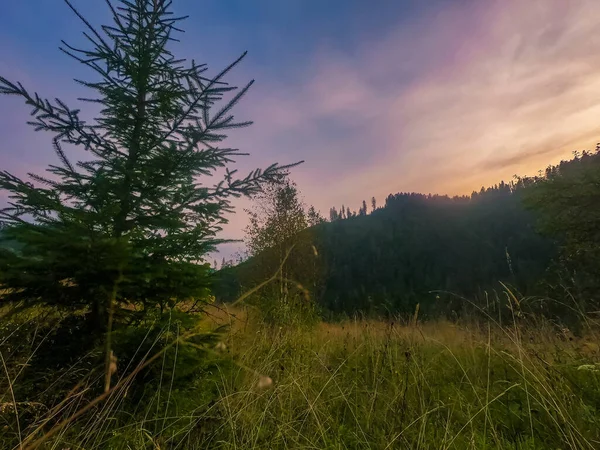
461, 97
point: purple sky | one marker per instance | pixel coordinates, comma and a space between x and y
377, 97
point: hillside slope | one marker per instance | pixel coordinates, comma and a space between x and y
393, 258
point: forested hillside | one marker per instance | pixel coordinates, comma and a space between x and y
393, 258
429, 249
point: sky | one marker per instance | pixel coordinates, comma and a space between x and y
377, 97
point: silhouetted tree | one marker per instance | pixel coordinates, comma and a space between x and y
363, 210
333, 214
313, 217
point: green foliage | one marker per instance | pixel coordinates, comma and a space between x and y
279, 242
133, 218
276, 218
566, 199
314, 217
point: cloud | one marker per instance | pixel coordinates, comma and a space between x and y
461, 96
464, 94
527, 87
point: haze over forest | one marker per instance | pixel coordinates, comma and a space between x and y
439, 96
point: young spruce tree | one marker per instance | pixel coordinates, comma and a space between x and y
132, 220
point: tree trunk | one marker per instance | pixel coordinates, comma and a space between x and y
99, 314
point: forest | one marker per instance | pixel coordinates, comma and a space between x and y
427, 321
435, 250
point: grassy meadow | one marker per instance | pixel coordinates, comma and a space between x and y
227, 380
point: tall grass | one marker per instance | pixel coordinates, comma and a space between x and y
357, 384
369, 384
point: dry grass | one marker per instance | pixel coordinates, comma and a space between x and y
356, 384
375, 384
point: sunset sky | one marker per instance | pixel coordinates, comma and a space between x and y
378, 96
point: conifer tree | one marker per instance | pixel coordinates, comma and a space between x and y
333, 214
132, 220
363, 209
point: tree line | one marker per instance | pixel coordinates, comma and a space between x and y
536, 235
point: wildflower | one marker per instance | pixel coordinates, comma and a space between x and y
264, 382
220, 347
